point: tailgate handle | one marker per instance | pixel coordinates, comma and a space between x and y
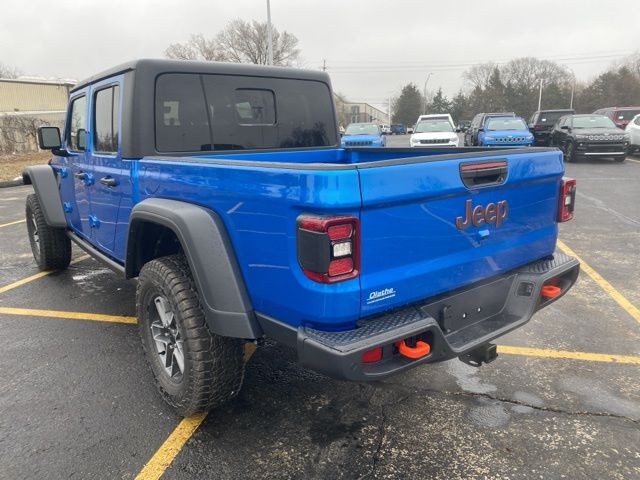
483, 173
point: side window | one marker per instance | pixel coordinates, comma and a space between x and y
637, 121
106, 119
77, 124
182, 124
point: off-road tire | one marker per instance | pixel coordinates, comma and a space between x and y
213, 365
570, 153
51, 246
620, 158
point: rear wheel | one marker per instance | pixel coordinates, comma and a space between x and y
194, 369
50, 246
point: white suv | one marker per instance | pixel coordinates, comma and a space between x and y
434, 132
633, 130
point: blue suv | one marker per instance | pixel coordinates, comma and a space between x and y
363, 135
505, 131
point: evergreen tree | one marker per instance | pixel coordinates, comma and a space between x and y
408, 106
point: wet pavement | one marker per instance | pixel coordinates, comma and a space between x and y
77, 400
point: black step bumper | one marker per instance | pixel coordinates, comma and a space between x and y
452, 324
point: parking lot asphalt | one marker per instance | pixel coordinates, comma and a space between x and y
561, 401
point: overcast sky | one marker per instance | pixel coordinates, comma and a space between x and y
372, 48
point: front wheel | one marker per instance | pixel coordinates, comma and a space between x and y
620, 158
570, 153
51, 246
194, 369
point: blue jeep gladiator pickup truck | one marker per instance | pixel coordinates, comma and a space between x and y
222, 189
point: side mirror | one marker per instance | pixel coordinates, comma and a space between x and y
481, 129
82, 138
458, 130
565, 127
49, 138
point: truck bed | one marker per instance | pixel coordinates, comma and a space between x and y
406, 201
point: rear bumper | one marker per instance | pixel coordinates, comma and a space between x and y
453, 324
541, 137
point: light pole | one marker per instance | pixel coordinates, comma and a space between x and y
269, 35
540, 95
425, 94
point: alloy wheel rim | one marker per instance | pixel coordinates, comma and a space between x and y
167, 339
34, 233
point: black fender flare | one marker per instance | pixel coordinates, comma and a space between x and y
45, 184
211, 257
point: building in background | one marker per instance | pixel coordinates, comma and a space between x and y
363, 112
27, 103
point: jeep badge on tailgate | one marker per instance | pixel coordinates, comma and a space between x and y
494, 213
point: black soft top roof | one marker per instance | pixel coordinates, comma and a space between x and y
153, 67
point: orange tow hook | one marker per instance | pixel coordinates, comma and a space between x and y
420, 350
550, 291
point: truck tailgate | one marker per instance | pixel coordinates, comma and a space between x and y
412, 246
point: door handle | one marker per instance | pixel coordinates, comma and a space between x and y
108, 181
86, 178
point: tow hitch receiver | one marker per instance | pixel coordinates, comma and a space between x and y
486, 353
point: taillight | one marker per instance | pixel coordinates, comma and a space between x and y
567, 199
328, 249
372, 356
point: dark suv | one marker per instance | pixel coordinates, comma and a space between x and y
541, 124
589, 136
398, 129
471, 133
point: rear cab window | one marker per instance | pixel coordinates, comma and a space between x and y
208, 112
549, 118
625, 114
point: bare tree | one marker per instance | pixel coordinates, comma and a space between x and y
525, 73
247, 42
197, 48
632, 62
479, 75
9, 72
18, 133
241, 42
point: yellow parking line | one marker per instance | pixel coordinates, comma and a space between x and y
548, 353
632, 160
163, 457
96, 317
36, 276
606, 286
12, 223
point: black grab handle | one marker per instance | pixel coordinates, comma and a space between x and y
483, 173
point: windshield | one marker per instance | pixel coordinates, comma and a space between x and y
362, 129
593, 121
425, 126
506, 124
626, 114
